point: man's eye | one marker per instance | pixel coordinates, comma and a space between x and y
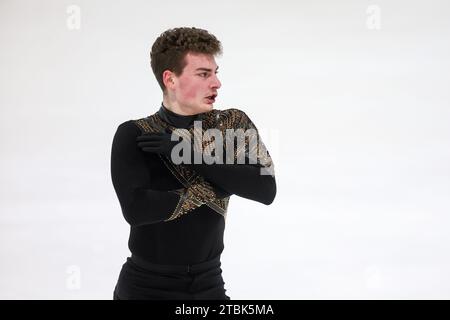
204, 74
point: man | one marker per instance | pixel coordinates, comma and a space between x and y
177, 210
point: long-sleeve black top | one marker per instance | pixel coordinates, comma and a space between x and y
142, 183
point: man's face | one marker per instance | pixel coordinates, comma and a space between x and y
197, 82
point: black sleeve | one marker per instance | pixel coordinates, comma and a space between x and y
130, 177
244, 180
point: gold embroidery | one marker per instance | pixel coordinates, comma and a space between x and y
197, 191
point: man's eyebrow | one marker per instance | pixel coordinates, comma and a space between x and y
206, 69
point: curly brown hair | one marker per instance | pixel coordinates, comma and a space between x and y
172, 46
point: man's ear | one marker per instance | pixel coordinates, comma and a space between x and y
168, 78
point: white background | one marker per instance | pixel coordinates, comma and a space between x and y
356, 119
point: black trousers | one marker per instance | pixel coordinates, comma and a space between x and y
142, 280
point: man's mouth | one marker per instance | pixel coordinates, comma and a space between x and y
212, 98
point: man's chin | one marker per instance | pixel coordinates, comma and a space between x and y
207, 107
202, 108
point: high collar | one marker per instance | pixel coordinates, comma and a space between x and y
178, 120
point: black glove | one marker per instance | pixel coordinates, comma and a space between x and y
159, 142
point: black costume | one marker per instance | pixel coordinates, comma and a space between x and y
177, 213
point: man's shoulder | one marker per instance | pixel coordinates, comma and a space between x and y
235, 112
134, 122
126, 124
230, 110
128, 128
235, 115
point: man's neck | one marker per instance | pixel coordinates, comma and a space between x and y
173, 106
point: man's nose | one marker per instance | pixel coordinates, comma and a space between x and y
216, 83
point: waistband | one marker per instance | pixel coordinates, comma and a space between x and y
183, 268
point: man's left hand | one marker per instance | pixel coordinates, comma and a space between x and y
159, 142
